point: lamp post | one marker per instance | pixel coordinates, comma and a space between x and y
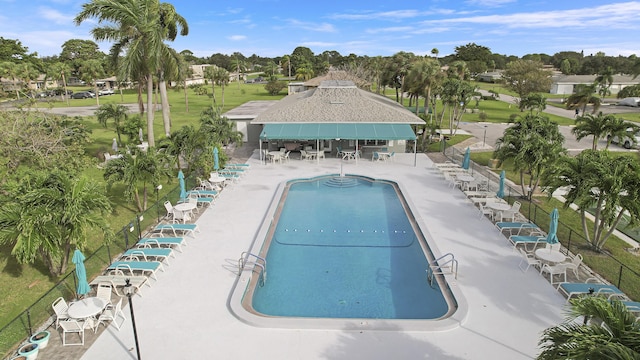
158, 188
129, 291
484, 137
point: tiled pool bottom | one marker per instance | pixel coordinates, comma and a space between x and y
355, 252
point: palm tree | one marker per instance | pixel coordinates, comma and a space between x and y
210, 73
51, 214
184, 73
596, 179
304, 72
583, 96
604, 81
435, 53
618, 127
27, 73
116, 112
138, 28
534, 143
60, 69
10, 70
240, 66
141, 169
218, 129
286, 63
609, 331
222, 78
91, 70
423, 75
592, 125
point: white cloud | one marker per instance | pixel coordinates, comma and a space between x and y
237, 37
319, 27
392, 29
384, 15
621, 15
489, 3
55, 16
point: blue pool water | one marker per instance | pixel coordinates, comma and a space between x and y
346, 248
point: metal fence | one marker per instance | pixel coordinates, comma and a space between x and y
39, 315
608, 266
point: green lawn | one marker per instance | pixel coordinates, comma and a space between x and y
24, 284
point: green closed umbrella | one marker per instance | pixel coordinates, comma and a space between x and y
183, 188
552, 236
500, 193
467, 159
81, 273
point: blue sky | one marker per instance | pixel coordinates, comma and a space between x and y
274, 28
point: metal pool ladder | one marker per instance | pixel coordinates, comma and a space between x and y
435, 269
258, 262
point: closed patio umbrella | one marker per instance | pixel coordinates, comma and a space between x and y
140, 136
114, 145
81, 273
465, 161
183, 189
552, 236
216, 159
500, 193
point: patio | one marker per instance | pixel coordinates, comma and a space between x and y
186, 311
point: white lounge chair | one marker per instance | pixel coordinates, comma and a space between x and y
117, 278
144, 267
554, 270
159, 241
190, 229
588, 287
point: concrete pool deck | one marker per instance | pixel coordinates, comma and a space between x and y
185, 313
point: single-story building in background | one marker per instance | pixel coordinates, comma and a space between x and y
337, 114
565, 84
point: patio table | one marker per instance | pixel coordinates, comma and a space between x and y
550, 256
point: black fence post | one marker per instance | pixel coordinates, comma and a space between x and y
29, 322
619, 277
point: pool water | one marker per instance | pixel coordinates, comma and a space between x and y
347, 247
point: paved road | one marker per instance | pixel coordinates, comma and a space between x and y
488, 133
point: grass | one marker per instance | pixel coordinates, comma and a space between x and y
24, 284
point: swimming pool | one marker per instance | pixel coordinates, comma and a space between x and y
342, 249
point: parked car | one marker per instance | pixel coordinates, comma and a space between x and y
628, 141
104, 92
61, 91
82, 95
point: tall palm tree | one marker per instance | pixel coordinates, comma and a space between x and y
60, 71
91, 70
27, 73
423, 75
138, 29
115, 112
51, 214
592, 125
609, 331
211, 74
222, 78
435, 53
604, 80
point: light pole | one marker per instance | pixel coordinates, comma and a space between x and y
129, 290
158, 188
484, 137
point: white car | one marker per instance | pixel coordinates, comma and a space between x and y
628, 141
104, 92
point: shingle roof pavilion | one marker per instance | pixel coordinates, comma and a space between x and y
337, 101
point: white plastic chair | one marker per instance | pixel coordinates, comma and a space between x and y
574, 265
484, 211
511, 213
103, 291
72, 327
180, 216
528, 259
168, 207
60, 308
553, 270
112, 315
